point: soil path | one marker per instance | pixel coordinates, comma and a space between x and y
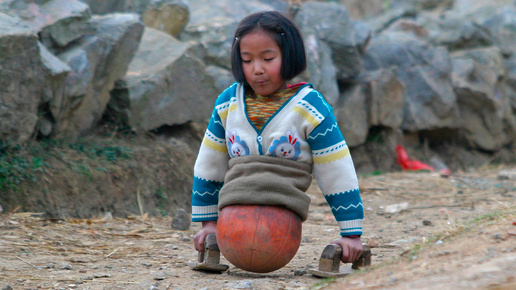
425, 231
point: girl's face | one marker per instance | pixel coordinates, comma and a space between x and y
261, 62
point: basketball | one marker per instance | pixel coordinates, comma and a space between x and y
258, 238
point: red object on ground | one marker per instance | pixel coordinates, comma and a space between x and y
408, 164
258, 238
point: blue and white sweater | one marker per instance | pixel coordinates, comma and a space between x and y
304, 129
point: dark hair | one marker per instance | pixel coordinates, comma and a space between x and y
283, 31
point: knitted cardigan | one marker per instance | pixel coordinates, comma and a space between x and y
303, 130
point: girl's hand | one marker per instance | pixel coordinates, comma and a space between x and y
208, 227
351, 248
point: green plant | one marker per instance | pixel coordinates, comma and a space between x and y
17, 165
22, 163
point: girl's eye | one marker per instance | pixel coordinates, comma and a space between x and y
268, 59
246, 61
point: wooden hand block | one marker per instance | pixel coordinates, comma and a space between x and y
209, 260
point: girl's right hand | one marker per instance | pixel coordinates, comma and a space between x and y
208, 227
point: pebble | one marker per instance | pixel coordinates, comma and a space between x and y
181, 220
427, 223
66, 266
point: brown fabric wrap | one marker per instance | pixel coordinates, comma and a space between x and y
269, 181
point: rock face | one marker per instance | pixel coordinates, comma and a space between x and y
414, 67
96, 62
21, 80
169, 16
163, 84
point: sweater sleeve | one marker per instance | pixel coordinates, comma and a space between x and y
336, 176
211, 164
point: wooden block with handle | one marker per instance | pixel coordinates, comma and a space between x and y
329, 263
209, 260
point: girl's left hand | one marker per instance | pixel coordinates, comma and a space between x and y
351, 248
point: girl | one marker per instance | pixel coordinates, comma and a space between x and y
265, 138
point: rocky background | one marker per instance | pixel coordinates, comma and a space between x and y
438, 77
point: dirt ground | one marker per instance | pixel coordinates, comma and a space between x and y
425, 232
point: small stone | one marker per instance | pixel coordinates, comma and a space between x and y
66, 266
181, 220
427, 223
507, 175
497, 236
299, 272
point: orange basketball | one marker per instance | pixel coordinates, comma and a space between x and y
258, 238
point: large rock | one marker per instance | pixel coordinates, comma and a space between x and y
351, 113
213, 24
21, 80
377, 100
58, 22
96, 62
486, 114
169, 16
165, 85
425, 71
53, 93
329, 25
359, 9
446, 30
321, 70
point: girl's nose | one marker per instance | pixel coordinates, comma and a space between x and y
258, 68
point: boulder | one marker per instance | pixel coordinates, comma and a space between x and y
96, 62
377, 100
58, 22
330, 23
425, 71
223, 77
446, 30
487, 121
21, 80
351, 112
165, 85
213, 24
169, 16
55, 72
